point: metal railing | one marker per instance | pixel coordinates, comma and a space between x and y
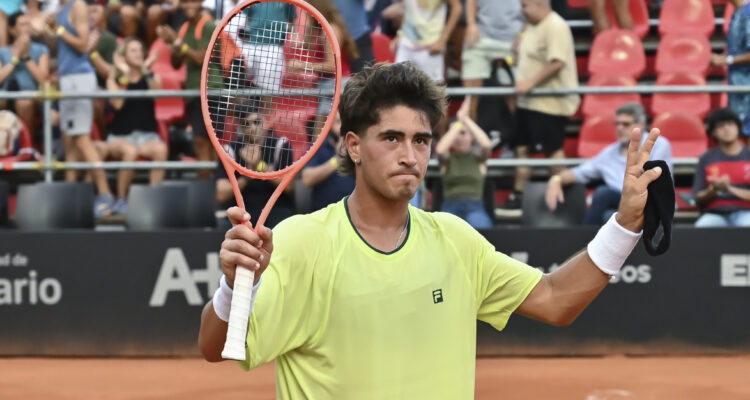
47, 96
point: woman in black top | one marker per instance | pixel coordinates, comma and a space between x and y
133, 131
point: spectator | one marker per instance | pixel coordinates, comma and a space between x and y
355, 17
424, 34
189, 47
320, 173
133, 131
546, 59
491, 29
71, 27
609, 166
24, 66
737, 59
7, 8
37, 19
157, 14
598, 10
101, 47
248, 151
463, 153
721, 185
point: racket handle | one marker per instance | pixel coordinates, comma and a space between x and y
239, 313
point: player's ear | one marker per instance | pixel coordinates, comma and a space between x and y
352, 142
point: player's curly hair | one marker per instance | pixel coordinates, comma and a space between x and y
383, 86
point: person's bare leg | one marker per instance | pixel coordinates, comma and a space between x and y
557, 155
523, 174
71, 155
473, 100
3, 29
155, 16
25, 108
203, 152
129, 20
622, 14
84, 144
100, 116
598, 11
123, 150
155, 151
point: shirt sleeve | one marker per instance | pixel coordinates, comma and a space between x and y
699, 178
208, 30
503, 284
283, 314
559, 44
588, 171
663, 151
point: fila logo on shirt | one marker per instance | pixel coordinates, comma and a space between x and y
437, 296
735, 270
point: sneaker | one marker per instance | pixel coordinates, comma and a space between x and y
103, 205
512, 206
120, 206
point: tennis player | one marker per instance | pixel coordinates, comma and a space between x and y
371, 298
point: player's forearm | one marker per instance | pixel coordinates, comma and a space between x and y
212, 334
573, 287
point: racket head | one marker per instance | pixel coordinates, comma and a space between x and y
250, 83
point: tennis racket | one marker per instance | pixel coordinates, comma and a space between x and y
267, 75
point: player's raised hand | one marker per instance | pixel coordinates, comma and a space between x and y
243, 246
635, 185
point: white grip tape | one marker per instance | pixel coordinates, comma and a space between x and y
239, 314
611, 246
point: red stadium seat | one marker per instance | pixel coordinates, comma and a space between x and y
381, 47
168, 109
693, 16
728, 12
606, 104
694, 103
639, 13
163, 66
685, 132
617, 52
683, 52
578, 3
597, 133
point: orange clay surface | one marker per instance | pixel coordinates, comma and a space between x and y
611, 378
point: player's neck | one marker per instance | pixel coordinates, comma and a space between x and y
376, 211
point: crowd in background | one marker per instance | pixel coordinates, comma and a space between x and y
89, 45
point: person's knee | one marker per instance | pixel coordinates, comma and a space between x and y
709, 220
128, 152
154, 13
25, 104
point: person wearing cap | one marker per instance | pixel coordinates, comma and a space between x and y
721, 186
609, 166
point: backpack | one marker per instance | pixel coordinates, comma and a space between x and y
10, 132
229, 53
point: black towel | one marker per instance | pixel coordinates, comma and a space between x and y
659, 211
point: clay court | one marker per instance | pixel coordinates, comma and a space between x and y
610, 378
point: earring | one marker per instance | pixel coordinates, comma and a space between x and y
356, 161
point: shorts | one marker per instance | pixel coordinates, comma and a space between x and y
136, 138
477, 61
265, 63
431, 64
77, 115
542, 133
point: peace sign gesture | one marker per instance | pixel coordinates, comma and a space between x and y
635, 185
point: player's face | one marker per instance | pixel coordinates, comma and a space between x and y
394, 153
726, 132
624, 125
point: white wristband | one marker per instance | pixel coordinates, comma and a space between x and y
223, 298
611, 246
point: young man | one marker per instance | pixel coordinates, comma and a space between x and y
189, 47
546, 59
24, 65
71, 27
721, 185
321, 172
609, 166
372, 299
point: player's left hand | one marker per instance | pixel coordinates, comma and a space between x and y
635, 185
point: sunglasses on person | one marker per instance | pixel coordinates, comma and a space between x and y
624, 124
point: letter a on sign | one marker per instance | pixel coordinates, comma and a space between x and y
175, 275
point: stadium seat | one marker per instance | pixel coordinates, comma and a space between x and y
157, 207
167, 110
381, 47
56, 205
537, 215
597, 133
163, 64
728, 12
201, 201
683, 52
687, 16
639, 13
694, 103
578, 3
617, 52
685, 132
604, 104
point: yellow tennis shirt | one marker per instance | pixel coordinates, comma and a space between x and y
346, 321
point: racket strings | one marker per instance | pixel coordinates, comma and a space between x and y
270, 85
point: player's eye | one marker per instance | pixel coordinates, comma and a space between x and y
391, 139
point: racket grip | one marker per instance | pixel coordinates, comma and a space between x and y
239, 313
